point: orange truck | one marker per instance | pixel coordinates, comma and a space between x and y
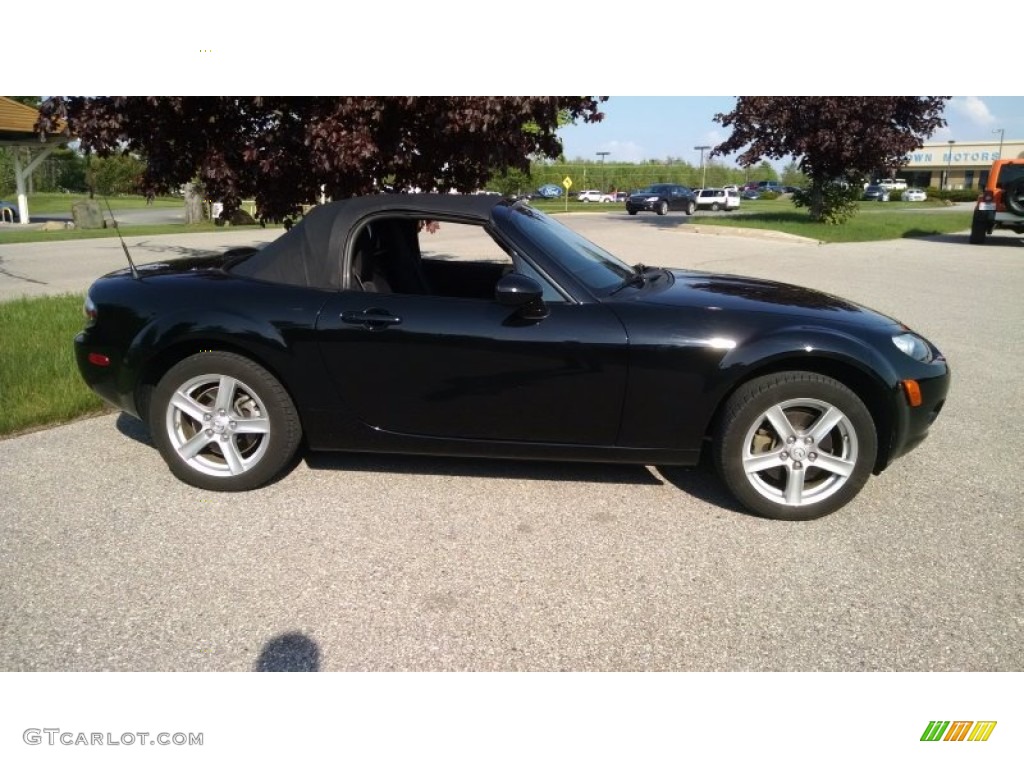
1001, 203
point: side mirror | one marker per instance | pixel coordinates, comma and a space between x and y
523, 292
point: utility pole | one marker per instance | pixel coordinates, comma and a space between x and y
603, 155
949, 162
1002, 133
703, 170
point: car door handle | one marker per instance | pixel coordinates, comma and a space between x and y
372, 319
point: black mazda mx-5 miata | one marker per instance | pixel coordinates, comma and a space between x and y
469, 325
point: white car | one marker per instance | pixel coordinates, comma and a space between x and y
914, 195
718, 199
594, 196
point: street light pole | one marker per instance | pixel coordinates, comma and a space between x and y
949, 163
703, 171
1001, 132
602, 155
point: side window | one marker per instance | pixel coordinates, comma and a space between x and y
434, 258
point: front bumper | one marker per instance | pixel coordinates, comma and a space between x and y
913, 422
643, 205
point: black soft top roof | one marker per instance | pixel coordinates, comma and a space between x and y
311, 252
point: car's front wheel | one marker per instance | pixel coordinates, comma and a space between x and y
662, 208
223, 423
795, 445
690, 207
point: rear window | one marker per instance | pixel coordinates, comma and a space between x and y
1011, 173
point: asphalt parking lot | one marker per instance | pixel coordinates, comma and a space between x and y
359, 562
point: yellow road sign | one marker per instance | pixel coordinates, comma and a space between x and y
566, 182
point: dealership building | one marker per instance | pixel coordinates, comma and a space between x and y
956, 164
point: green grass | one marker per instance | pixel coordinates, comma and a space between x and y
874, 221
39, 380
865, 227
38, 236
57, 202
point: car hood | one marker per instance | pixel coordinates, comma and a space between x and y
733, 293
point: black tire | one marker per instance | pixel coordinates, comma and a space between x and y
690, 207
662, 208
1013, 197
716, 207
803, 474
979, 229
631, 211
235, 440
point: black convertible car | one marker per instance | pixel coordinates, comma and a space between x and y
475, 326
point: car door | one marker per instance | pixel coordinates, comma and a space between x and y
678, 198
466, 367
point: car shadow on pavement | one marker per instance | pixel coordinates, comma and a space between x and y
962, 238
512, 469
136, 429
672, 220
292, 652
702, 483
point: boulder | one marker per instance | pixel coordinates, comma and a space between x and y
87, 214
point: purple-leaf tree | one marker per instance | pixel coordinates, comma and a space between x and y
283, 150
832, 138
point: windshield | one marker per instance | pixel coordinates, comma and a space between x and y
597, 269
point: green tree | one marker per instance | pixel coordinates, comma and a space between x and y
792, 176
115, 174
832, 138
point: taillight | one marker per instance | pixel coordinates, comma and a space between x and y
988, 197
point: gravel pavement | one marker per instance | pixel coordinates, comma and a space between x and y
359, 562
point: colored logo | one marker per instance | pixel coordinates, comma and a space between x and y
958, 730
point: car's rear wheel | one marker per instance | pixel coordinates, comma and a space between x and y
716, 207
795, 445
690, 207
662, 208
223, 423
979, 230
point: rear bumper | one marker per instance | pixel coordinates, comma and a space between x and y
104, 380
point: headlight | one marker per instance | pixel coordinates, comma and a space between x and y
652, 200
914, 346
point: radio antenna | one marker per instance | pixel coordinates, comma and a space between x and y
131, 264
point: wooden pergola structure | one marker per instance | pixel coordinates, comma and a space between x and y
17, 130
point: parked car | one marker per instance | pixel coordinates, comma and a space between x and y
549, 192
8, 212
875, 192
593, 196
750, 194
914, 195
621, 197
770, 186
891, 184
662, 198
1001, 203
718, 199
359, 330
